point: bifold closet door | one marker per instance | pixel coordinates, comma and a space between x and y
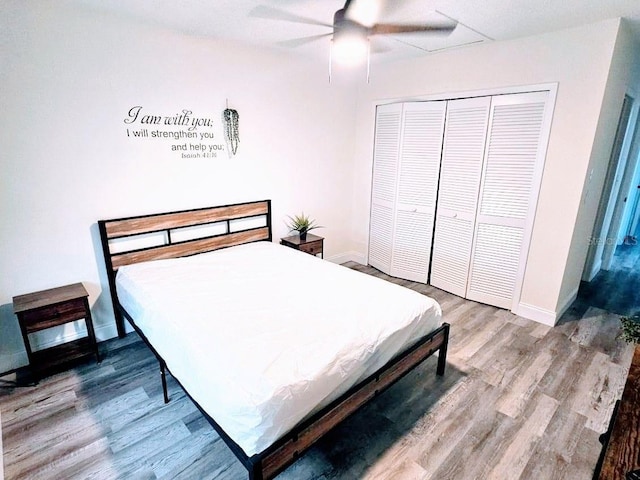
384, 185
418, 172
402, 220
462, 157
511, 175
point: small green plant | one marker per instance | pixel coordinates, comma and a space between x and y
301, 224
631, 329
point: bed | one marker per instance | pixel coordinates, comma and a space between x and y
207, 288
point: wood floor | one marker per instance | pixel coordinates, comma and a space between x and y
518, 401
618, 289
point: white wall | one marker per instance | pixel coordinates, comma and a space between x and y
70, 75
578, 60
624, 76
634, 87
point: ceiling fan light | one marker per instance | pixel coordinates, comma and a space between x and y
349, 49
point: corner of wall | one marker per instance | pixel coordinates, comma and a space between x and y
544, 316
565, 303
348, 257
12, 360
590, 273
537, 314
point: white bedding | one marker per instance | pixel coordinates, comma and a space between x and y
262, 335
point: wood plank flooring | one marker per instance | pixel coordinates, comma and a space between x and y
618, 289
519, 400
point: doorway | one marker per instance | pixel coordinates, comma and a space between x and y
632, 216
614, 215
619, 228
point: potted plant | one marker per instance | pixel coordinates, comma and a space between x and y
631, 329
301, 224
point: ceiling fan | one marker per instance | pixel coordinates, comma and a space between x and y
353, 26
356, 21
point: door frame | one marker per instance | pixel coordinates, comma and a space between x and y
635, 215
628, 165
619, 150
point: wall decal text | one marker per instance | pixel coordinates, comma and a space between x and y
196, 130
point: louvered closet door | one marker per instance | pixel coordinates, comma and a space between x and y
418, 171
384, 185
462, 157
513, 162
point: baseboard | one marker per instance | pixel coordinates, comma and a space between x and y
103, 332
10, 361
564, 305
348, 257
537, 314
544, 316
13, 360
594, 271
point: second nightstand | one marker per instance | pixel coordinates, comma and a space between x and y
51, 308
312, 244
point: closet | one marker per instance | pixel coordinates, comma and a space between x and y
405, 185
454, 190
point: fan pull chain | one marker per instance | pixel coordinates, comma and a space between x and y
330, 57
368, 59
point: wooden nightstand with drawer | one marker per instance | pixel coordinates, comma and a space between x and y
50, 308
312, 244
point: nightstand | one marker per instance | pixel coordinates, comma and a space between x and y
312, 244
51, 308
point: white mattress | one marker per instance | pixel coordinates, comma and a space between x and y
262, 335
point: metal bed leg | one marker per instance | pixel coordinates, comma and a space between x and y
255, 468
442, 354
119, 323
163, 376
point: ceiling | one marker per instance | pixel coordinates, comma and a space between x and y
480, 21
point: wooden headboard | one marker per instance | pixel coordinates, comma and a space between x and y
130, 240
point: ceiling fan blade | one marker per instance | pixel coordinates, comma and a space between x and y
390, 28
297, 42
271, 13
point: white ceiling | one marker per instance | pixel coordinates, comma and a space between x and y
479, 20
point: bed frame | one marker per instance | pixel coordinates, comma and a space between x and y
235, 225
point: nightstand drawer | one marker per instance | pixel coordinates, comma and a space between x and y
312, 247
52, 315
311, 244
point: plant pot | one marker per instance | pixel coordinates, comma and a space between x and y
303, 236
